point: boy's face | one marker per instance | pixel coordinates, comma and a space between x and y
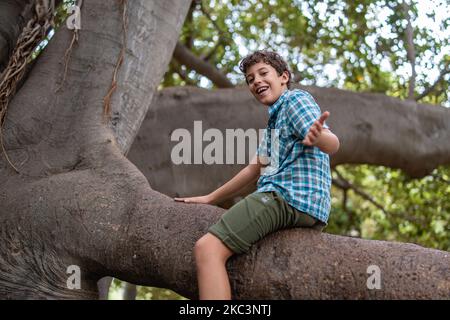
265, 83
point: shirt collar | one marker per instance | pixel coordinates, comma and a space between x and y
275, 107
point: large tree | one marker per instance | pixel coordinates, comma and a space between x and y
74, 199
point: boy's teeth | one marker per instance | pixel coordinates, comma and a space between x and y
261, 89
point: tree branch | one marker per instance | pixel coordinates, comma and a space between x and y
427, 91
345, 184
410, 49
190, 60
223, 35
213, 50
372, 128
188, 21
182, 73
347, 259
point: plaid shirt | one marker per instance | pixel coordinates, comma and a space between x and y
301, 174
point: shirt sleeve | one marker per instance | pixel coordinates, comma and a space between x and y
302, 111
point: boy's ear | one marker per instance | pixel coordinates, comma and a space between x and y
285, 77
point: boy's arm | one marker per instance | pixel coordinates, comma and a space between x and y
321, 137
304, 117
247, 175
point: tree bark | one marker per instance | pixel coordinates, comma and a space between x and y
79, 201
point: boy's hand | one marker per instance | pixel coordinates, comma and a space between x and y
202, 199
312, 137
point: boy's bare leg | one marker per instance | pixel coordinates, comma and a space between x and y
210, 257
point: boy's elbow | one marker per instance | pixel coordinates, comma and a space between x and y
330, 143
336, 146
332, 146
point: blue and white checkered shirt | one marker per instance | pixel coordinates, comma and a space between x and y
302, 174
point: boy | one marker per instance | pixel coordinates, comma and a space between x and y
296, 193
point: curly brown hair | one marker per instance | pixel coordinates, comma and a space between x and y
269, 57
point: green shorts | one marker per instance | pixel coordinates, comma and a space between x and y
257, 215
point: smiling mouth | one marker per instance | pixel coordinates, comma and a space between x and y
262, 90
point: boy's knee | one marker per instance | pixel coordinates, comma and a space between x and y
210, 247
200, 246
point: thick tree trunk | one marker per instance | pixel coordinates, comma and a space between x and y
75, 191
372, 128
79, 201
